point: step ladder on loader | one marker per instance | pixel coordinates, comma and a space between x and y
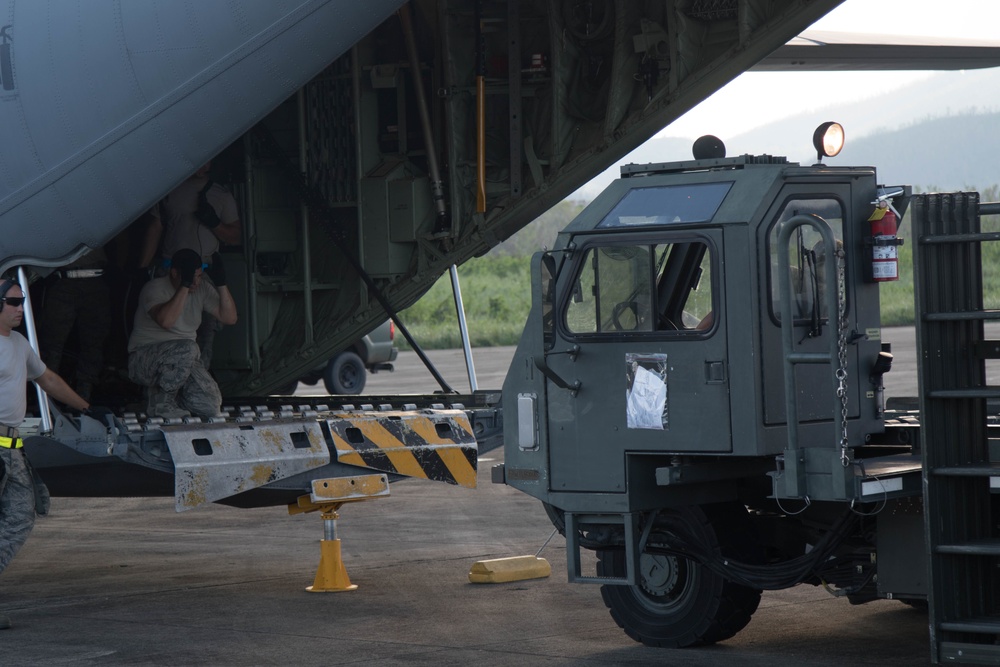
961, 479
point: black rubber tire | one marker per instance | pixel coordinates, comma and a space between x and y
680, 603
345, 374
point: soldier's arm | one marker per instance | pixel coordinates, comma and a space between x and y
226, 312
165, 314
57, 388
230, 232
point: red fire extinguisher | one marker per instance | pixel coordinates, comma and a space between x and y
885, 260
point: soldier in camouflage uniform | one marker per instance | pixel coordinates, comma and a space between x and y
18, 364
201, 215
163, 349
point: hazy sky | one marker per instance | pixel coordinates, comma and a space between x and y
971, 19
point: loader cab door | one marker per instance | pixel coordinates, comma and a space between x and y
644, 314
813, 320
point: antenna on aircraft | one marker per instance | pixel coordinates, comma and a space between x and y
708, 148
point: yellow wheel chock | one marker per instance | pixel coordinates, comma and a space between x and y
327, 496
514, 568
504, 570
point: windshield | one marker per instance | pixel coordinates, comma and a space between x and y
667, 205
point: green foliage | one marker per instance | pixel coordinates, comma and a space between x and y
897, 297
542, 231
496, 292
496, 289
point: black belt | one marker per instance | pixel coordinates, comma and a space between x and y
78, 273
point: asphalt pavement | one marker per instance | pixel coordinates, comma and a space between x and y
131, 582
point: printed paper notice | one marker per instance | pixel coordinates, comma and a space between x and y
646, 396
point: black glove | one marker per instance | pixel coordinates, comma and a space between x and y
100, 413
187, 275
217, 270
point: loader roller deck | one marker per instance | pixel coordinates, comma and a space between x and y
260, 451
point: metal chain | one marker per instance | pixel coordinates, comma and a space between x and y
842, 353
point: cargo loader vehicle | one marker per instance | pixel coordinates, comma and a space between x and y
697, 398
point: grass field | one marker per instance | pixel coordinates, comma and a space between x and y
897, 297
496, 292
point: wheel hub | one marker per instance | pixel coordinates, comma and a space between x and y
660, 573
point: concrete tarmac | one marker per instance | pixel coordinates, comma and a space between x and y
130, 582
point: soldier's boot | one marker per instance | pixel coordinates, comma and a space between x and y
164, 404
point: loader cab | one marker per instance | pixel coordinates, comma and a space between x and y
657, 337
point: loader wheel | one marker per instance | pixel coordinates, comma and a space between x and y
680, 603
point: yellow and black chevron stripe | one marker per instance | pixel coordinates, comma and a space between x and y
433, 444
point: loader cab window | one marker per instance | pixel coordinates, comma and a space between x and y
806, 258
643, 289
667, 205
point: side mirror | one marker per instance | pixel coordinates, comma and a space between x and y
543, 296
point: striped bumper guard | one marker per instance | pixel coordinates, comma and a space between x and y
432, 444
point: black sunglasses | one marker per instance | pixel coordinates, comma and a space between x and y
13, 300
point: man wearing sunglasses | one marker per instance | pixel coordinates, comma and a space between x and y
18, 364
164, 355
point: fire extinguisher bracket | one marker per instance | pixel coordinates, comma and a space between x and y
869, 241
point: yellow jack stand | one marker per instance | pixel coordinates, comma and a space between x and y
331, 576
327, 496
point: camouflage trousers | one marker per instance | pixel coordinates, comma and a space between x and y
176, 378
82, 304
17, 505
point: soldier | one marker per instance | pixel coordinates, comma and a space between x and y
163, 349
18, 364
200, 215
77, 295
